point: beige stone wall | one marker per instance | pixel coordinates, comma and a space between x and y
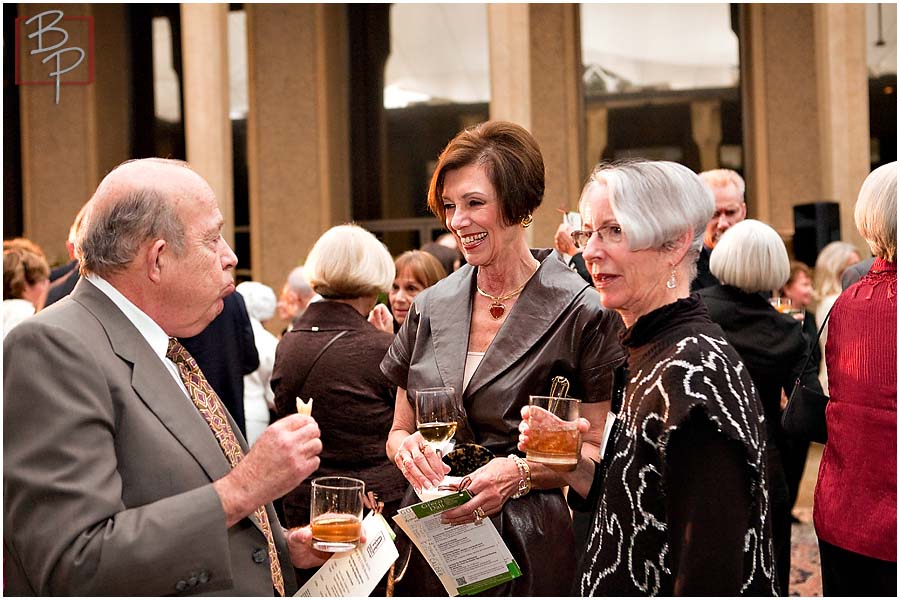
68, 147
535, 58
297, 134
806, 131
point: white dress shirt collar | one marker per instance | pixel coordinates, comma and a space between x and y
147, 327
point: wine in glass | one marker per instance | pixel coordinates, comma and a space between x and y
437, 415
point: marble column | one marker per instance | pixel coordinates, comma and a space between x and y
706, 129
67, 147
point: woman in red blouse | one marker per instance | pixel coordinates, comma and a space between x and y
856, 495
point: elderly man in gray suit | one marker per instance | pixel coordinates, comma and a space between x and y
122, 473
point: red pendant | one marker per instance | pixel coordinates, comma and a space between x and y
497, 310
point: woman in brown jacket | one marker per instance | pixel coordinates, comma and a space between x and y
332, 355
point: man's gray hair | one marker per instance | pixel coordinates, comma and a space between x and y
719, 178
111, 233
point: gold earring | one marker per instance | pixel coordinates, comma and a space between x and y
527, 220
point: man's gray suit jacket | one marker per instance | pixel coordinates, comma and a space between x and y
108, 468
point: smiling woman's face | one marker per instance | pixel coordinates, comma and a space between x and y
473, 215
632, 283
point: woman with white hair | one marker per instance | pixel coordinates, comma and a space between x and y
332, 355
750, 261
258, 395
679, 499
855, 505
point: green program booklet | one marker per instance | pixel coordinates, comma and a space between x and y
468, 559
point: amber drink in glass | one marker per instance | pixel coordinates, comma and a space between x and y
336, 510
553, 436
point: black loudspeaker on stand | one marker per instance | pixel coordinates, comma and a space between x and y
815, 226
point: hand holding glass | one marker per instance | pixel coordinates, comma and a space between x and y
336, 509
554, 439
437, 415
785, 306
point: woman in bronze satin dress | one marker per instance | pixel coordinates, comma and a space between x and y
499, 329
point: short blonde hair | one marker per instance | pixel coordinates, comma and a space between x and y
876, 211
718, 178
751, 256
830, 265
348, 262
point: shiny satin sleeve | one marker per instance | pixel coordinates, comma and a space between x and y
396, 362
599, 354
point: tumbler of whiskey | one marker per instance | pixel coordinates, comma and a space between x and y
336, 509
554, 439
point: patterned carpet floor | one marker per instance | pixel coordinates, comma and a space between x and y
806, 574
806, 571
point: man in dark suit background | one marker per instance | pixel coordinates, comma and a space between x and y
728, 191
226, 351
122, 475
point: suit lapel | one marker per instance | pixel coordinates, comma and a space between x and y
153, 383
449, 310
540, 305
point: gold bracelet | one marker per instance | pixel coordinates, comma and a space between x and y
524, 485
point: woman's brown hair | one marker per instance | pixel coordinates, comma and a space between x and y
512, 161
797, 267
23, 264
425, 268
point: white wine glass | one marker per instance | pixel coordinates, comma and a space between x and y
437, 415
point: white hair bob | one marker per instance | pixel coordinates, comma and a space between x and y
751, 256
656, 202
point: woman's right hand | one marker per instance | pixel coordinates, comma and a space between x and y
419, 462
583, 425
380, 318
581, 478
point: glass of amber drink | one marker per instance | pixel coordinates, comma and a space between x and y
336, 509
553, 436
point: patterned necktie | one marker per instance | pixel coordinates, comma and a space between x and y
209, 405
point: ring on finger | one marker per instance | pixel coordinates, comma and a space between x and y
479, 515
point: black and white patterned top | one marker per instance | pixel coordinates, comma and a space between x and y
681, 371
